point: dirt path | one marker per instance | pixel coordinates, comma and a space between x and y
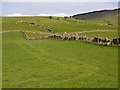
38, 32
35, 32
89, 31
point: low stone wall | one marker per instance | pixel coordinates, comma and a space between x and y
97, 40
31, 38
34, 24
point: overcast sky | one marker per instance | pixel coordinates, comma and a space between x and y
60, 0
34, 7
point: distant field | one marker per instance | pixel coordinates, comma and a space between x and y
101, 34
102, 16
112, 19
60, 25
53, 63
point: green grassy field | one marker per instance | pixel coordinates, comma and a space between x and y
100, 34
36, 35
60, 25
113, 19
56, 63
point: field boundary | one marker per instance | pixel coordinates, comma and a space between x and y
38, 32
67, 36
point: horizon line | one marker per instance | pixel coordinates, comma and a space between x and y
55, 15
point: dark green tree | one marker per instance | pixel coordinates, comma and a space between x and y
50, 17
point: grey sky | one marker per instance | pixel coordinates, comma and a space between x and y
54, 8
60, 0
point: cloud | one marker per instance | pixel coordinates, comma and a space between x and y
59, 14
17, 14
14, 15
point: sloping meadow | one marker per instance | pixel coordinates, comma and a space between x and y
55, 63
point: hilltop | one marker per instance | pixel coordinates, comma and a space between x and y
96, 14
102, 15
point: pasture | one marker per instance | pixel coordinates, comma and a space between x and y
61, 25
53, 63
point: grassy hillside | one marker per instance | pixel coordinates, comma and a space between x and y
100, 16
61, 25
112, 19
53, 63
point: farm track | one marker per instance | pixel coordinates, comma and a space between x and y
38, 32
92, 31
35, 32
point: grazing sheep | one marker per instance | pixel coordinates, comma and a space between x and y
64, 33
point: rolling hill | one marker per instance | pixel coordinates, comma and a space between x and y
105, 16
52, 63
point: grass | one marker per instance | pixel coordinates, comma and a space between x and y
90, 34
54, 63
10, 24
113, 19
61, 25
101, 34
35, 35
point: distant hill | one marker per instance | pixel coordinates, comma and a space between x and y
100, 16
96, 14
